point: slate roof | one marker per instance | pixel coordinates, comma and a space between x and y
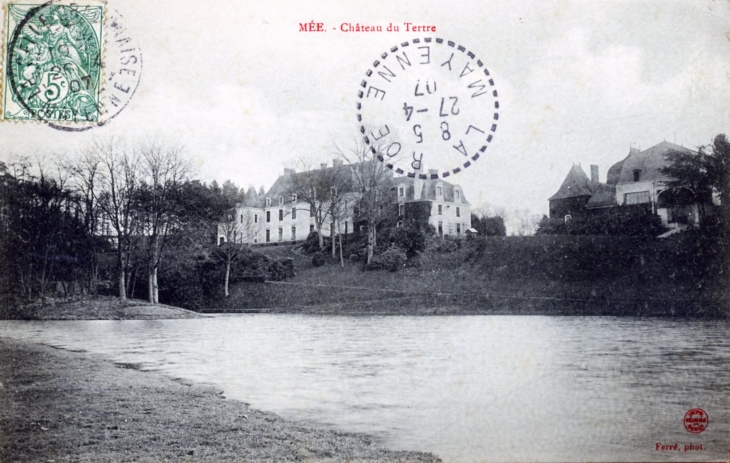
576, 183
649, 162
615, 172
605, 196
428, 189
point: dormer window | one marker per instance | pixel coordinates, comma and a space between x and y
281, 200
637, 175
457, 194
268, 202
439, 191
401, 192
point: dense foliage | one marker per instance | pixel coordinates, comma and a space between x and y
488, 226
393, 259
618, 221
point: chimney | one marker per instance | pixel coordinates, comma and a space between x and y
417, 183
433, 172
288, 171
336, 163
594, 174
323, 165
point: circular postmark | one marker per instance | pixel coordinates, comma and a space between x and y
428, 103
696, 420
60, 70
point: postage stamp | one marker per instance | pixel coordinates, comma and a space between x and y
53, 61
428, 102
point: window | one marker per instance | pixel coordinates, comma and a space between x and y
457, 193
637, 198
293, 233
458, 229
281, 234
281, 215
439, 191
268, 216
241, 218
221, 240
268, 235
311, 210
293, 213
256, 238
399, 224
311, 228
401, 192
568, 218
255, 218
440, 209
268, 202
441, 229
234, 236
345, 227
637, 175
401, 209
293, 198
458, 211
281, 200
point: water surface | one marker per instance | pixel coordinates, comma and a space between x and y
465, 388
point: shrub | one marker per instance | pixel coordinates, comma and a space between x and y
411, 239
281, 269
311, 244
392, 259
318, 259
447, 246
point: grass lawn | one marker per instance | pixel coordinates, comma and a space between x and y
569, 275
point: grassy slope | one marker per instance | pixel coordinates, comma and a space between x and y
532, 275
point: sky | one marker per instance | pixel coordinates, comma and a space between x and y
246, 94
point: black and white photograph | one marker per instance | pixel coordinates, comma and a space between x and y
418, 231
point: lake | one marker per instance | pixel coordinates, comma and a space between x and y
467, 388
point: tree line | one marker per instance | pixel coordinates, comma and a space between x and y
107, 220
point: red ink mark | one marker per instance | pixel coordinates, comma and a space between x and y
696, 420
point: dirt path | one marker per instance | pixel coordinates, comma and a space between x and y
57, 405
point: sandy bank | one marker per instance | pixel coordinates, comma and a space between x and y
95, 308
67, 406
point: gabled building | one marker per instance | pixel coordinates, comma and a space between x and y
279, 216
575, 192
636, 180
448, 210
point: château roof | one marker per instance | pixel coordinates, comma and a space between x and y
575, 184
605, 196
649, 162
428, 189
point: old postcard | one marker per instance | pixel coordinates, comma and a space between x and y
383, 231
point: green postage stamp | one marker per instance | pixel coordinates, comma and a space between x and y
52, 61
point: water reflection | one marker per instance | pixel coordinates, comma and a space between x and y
465, 388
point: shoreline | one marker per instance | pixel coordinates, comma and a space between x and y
389, 303
69, 406
96, 308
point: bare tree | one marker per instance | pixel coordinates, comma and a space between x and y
85, 174
373, 181
163, 172
118, 181
236, 230
235, 235
313, 187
